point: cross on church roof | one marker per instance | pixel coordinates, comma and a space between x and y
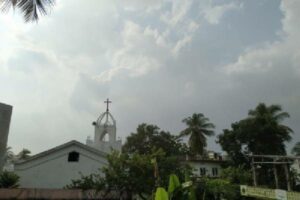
107, 104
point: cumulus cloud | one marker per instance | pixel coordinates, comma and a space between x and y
284, 54
147, 5
213, 14
144, 48
178, 12
138, 54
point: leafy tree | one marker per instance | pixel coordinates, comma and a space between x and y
149, 137
237, 175
296, 149
85, 182
31, 9
231, 142
262, 132
198, 128
217, 189
135, 172
9, 180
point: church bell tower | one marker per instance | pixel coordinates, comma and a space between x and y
105, 136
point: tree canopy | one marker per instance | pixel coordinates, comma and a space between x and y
262, 132
149, 137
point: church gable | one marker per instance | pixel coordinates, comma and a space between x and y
56, 167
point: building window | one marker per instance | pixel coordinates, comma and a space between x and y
202, 171
215, 171
73, 156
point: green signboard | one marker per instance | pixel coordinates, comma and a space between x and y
266, 193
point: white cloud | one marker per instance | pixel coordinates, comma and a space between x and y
280, 54
180, 9
213, 14
147, 5
138, 54
181, 44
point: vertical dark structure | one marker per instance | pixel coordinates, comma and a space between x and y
5, 116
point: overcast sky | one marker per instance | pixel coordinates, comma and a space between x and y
158, 61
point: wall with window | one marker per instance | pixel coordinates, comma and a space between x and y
206, 168
57, 169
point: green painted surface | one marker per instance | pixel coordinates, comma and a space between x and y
266, 193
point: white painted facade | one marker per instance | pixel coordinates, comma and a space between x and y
105, 136
52, 168
209, 168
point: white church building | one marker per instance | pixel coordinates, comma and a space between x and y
56, 167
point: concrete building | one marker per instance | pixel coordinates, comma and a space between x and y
209, 166
5, 116
55, 168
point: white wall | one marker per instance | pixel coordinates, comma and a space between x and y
54, 170
208, 165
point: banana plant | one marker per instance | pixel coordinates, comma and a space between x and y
176, 190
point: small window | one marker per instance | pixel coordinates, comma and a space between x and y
215, 171
73, 156
202, 171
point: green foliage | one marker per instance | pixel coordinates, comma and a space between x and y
217, 189
198, 128
149, 138
135, 173
92, 181
296, 149
10, 157
237, 175
176, 191
23, 154
173, 183
9, 180
161, 194
260, 133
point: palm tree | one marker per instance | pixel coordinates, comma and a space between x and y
24, 154
296, 149
31, 9
265, 122
198, 128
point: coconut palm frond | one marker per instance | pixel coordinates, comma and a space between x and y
296, 149
5, 5
31, 9
198, 127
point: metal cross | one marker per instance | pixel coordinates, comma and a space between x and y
107, 104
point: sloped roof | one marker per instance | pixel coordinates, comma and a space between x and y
58, 148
